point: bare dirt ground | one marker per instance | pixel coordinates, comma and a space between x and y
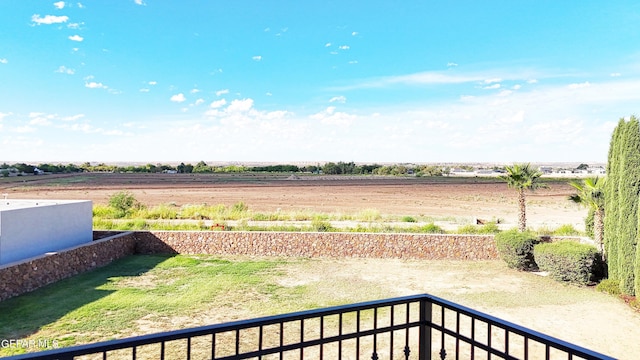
487, 199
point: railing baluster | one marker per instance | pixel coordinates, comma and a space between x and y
457, 338
407, 349
489, 338
301, 338
506, 341
358, 331
189, 348
260, 340
133, 353
374, 356
473, 336
213, 346
340, 334
281, 339
237, 341
391, 321
443, 352
162, 346
322, 337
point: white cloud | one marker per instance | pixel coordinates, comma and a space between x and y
517, 87
353, 62
494, 86
327, 44
178, 98
152, 83
139, 2
222, 92
243, 105
579, 86
75, 26
25, 129
65, 70
199, 101
451, 64
330, 117
145, 90
257, 58
80, 6
73, 117
340, 99
4, 61
333, 52
354, 33
48, 19
616, 74
4, 115
95, 85
269, 94
532, 81
59, 4
195, 91
493, 80
218, 103
344, 47
76, 38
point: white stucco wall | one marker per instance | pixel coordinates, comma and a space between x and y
30, 228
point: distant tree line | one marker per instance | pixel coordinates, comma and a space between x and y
330, 168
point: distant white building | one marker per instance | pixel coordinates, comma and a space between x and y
30, 228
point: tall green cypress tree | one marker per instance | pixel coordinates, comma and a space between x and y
611, 202
628, 192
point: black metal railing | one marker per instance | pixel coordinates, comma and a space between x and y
413, 327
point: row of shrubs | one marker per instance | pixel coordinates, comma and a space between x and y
564, 260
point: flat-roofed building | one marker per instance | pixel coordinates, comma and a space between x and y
30, 228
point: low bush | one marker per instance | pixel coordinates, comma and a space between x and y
410, 219
516, 249
566, 230
609, 286
488, 228
123, 202
569, 261
432, 229
321, 225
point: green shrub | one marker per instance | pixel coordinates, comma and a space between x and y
432, 229
488, 228
467, 229
569, 261
320, 225
609, 286
410, 219
123, 202
566, 230
516, 249
588, 223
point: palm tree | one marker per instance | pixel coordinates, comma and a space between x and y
591, 194
522, 177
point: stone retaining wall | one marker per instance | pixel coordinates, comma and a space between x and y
28, 275
348, 245
22, 277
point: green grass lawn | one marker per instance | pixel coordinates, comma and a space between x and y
104, 303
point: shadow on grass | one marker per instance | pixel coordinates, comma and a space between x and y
24, 315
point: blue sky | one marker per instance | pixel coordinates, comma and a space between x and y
292, 81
